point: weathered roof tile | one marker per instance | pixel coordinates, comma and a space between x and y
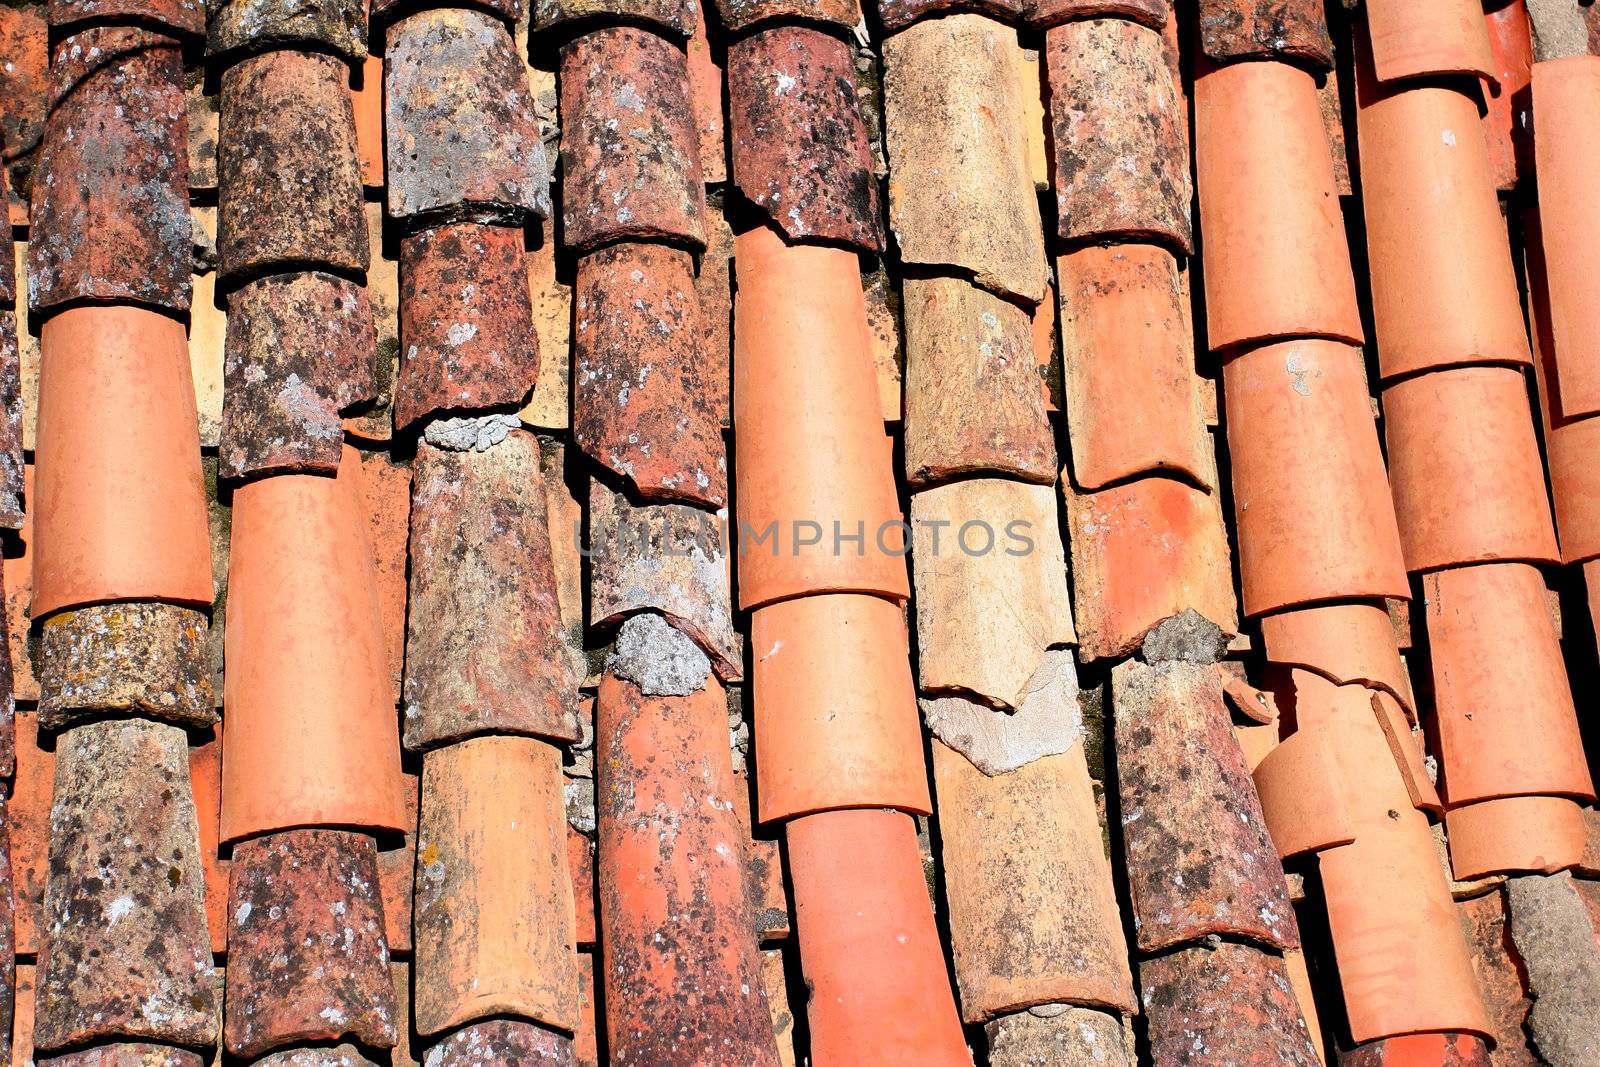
1266, 29
741, 15
1058, 1034
1152, 13
503, 1041
150, 659
1418, 38
184, 16
340, 25
1230, 1003
676, 17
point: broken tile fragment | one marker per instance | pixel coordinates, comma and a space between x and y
466, 322
300, 350
972, 399
682, 975
1266, 29
150, 659
485, 650
494, 914
1120, 133
1153, 13
503, 1041
1058, 1034
998, 741
114, 164
960, 192
462, 135
740, 15
307, 957
290, 179
1557, 939
666, 558
124, 950
800, 147
1200, 861
125, 1054
1033, 918
641, 407
1227, 1003
629, 152
676, 17
255, 25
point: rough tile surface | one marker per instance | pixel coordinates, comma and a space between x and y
150, 659
1231, 1003
1266, 29
340, 25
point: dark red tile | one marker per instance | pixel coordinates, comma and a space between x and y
462, 137
110, 196
1224, 1004
1266, 29
466, 322
184, 16
676, 17
300, 349
1152, 13
629, 152
898, 14
1434, 1050
738, 15
800, 147
148, 659
339, 1056
25, 87
289, 176
255, 25
307, 957
641, 407
502, 1041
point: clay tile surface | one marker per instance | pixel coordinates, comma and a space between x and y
853, 742
462, 136
1351, 643
184, 16
1058, 1034
1120, 132
25, 86
1199, 858
1508, 112
1033, 919
150, 659
800, 148
466, 322
1464, 468
960, 192
642, 404
1553, 925
259, 24
1443, 288
1128, 368
1445, 1050
124, 950
11, 460
1152, 13
336, 1056
300, 349
510, 11
896, 15
1315, 518
311, 737
494, 912
288, 169
503, 1041
1142, 552
114, 163
485, 651
630, 156
119, 510
1418, 38
307, 958
1266, 29
1514, 834
1228, 1004
680, 964
125, 1054
800, 347
868, 946
676, 17
740, 15
1277, 263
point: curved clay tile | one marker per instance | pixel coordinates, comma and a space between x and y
682, 982
1033, 919
852, 743
503, 1041
256, 25
1349, 644
311, 735
630, 156
114, 163
494, 916
146, 659
799, 351
677, 18
120, 510
1029, 1038
1266, 29
510, 11
366, 101
896, 15
800, 145
125, 1054
1152, 13
1311, 501
346, 1055
1228, 1003
1128, 367
1407, 1050
1464, 467
25, 86
740, 15
1121, 135
184, 16
1508, 115
1443, 288
1521, 834
1575, 483
868, 945
1420, 38
1501, 732
12, 467
1276, 260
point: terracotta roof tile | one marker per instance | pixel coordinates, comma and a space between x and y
1484, 920
397, 868
1033, 919
146, 658
28, 817
184, 16
1128, 367
1228, 1002
642, 405
462, 137
376, 422
629, 151
8, 712
740, 15
972, 398
113, 163
8, 953
485, 652
300, 350
256, 25
896, 15
1445, 1050
289, 174
705, 96
1068, 1037
25, 86
1266, 29
386, 493
1508, 111
11, 461
124, 950
935, 73
800, 148
1525, 833
307, 959
205, 778
713, 286
502, 1041
494, 912
366, 102
677, 17
131, 1054
509, 11
552, 328
852, 743
337, 1056
1417, 38
1121, 140
580, 863
1349, 644
1153, 13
